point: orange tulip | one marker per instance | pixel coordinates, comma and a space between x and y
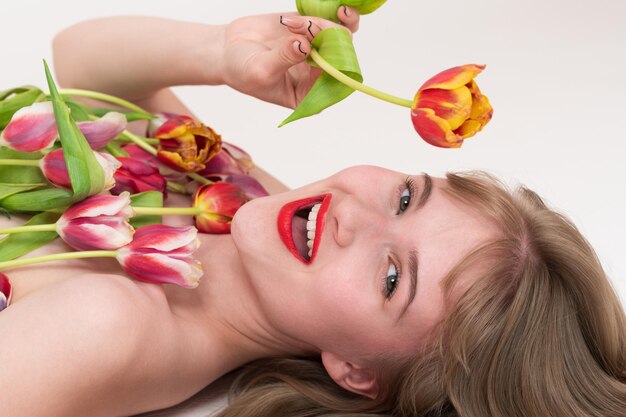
449, 107
186, 144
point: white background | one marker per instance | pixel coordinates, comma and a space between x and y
555, 76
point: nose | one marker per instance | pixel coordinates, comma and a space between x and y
353, 218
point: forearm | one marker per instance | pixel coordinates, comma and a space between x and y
134, 57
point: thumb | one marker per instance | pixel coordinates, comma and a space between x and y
288, 53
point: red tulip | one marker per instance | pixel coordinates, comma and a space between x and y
137, 176
251, 187
34, 128
219, 203
5, 291
53, 167
186, 145
99, 222
163, 255
449, 107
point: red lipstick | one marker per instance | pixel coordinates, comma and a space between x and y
285, 222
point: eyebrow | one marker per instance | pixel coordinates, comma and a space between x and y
413, 264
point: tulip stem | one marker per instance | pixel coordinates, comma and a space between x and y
150, 141
59, 257
343, 78
104, 97
21, 162
162, 211
176, 187
30, 228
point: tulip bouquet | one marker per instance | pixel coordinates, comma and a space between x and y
447, 109
83, 177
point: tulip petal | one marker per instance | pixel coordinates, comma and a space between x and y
100, 205
99, 132
92, 236
166, 238
454, 106
5, 291
160, 269
31, 129
433, 129
453, 77
214, 224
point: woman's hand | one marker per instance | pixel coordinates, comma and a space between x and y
265, 56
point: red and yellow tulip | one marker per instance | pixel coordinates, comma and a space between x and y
219, 203
185, 144
449, 107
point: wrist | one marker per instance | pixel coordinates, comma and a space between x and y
210, 54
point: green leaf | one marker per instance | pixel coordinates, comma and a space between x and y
335, 46
17, 90
9, 106
18, 244
364, 6
20, 174
327, 9
39, 200
7, 189
146, 199
131, 116
86, 175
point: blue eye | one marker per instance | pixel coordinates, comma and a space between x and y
390, 283
408, 190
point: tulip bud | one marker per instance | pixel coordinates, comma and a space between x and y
251, 187
449, 107
163, 255
5, 291
101, 131
53, 167
186, 144
31, 128
219, 203
99, 222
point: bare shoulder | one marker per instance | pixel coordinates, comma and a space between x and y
89, 344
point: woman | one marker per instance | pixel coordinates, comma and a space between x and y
421, 296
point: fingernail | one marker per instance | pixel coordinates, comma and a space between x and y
289, 21
298, 45
346, 11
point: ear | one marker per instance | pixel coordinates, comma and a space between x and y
354, 378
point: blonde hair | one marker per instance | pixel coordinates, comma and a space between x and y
539, 332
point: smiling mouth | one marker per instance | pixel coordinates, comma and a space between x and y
301, 224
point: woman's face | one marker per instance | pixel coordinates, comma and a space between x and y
373, 285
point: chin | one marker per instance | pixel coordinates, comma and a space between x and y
249, 227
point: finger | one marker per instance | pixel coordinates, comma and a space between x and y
308, 26
274, 63
349, 17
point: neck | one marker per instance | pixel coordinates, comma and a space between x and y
226, 310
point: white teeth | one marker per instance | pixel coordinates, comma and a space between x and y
311, 227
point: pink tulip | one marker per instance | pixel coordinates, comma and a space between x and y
99, 222
249, 185
31, 128
5, 291
34, 128
100, 132
219, 203
163, 255
53, 167
229, 160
